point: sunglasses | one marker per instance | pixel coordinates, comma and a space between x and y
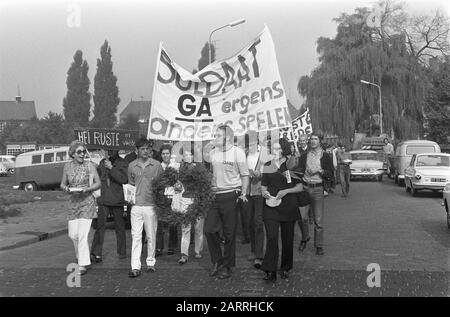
79, 152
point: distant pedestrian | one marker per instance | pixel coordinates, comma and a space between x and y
80, 178
141, 174
343, 169
113, 172
388, 150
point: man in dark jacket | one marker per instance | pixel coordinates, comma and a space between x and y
317, 168
113, 174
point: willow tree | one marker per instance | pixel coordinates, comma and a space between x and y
341, 104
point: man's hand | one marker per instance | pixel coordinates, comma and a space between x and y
243, 198
108, 164
265, 194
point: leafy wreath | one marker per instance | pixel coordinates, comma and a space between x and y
196, 180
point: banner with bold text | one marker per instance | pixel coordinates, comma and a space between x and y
108, 139
301, 125
244, 91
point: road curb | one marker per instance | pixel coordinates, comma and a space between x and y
42, 237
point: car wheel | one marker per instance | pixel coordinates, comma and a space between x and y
380, 178
396, 178
29, 187
448, 214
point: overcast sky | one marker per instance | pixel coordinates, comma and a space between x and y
37, 44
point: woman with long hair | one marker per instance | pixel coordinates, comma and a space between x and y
80, 179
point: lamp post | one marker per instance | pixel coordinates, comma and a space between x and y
381, 113
231, 24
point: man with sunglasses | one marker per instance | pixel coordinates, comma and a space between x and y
141, 173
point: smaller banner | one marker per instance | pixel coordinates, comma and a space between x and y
300, 125
107, 139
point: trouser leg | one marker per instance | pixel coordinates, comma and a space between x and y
119, 226
137, 224
199, 235
151, 226
270, 261
287, 245
99, 235
84, 226
185, 238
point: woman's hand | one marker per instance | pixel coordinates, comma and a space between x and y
265, 194
65, 188
86, 190
281, 194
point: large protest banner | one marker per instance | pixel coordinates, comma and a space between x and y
108, 139
244, 91
300, 125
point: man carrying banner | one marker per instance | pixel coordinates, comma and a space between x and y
230, 182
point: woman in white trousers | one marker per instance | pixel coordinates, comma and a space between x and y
186, 240
80, 178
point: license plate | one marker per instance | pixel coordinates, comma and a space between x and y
438, 180
365, 170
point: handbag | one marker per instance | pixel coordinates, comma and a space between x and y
304, 198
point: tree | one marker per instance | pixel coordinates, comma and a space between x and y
204, 58
106, 92
338, 101
437, 108
76, 104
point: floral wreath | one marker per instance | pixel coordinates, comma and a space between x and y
196, 181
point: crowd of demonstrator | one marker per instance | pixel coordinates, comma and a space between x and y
271, 184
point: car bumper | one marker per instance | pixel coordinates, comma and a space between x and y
367, 174
431, 186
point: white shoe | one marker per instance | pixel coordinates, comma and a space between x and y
325, 193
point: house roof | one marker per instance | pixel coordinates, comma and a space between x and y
13, 110
138, 108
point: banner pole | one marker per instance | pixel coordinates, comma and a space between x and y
158, 59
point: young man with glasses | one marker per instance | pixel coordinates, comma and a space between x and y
141, 173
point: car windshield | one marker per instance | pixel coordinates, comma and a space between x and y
433, 160
364, 156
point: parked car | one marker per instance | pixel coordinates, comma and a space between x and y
368, 164
9, 161
429, 171
3, 170
404, 152
42, 168
446, 196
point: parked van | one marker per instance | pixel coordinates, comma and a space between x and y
9, 162
40, 168
404, 152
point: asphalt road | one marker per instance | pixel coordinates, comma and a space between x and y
379, 224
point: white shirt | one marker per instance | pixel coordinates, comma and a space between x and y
252, 159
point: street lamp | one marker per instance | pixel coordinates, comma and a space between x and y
381, 113
231, 24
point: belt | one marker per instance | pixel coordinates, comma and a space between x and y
314, 185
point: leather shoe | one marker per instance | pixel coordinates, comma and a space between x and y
284, 274
270, 277
226, 273
319, 251
158, 252
303, 243
214, 270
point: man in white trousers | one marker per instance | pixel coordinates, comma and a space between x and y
141, 173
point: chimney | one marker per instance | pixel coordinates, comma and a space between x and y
18, 97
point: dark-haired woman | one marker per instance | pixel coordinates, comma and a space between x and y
280, 211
